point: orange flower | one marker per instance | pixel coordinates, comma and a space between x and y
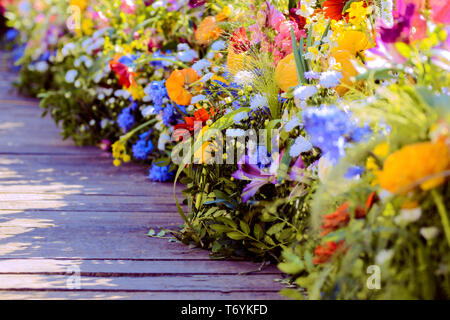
325, 253
207, 31
332, 9
286, 73
414, 164
192, 124
177, 84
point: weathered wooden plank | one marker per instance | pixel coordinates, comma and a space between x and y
129, 295
109, 268
223, 283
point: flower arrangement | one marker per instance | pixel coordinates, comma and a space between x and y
313, 133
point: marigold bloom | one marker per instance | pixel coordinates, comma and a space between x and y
325, 252
207, 31
409, 165
286, 73
177, 85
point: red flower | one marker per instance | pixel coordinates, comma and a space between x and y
341, 217
325, 253
239, 41
298, 19
193, 124
125, 75
333, 9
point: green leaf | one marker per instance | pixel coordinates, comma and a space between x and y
236, 235
275, 228
298, 62
244, 227
220, 228
292, 294
291, 267
258, 231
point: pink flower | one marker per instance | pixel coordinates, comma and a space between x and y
128, 6
440, 11
275, 17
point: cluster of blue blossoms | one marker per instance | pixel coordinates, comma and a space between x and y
143, 147
160, 174
332, 129
126, 119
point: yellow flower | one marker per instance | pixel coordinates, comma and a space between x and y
225, 14
353, 41
82, 4
357, 12
207, 31
119, 153
344, 59
412, 165
286, 73
137, 92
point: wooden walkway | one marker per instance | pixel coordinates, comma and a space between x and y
65, 209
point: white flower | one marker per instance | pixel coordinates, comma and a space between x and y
122, 94
407, 216
41, 66
307, 8
244, 78
71, 76
201, 65
240, 117
300, 145
207, 77
386, 12
429, 232
187, 56
148, 111
218, 45
164, 138
383, 256
235, 132
258, 101
330, 79
311, 75
291, 124
198, 98
68, 49
303, 93
324, 168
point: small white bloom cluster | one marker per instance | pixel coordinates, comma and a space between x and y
330, 79
300, 145
386, 12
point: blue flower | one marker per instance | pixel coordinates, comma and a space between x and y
126, 118
332, 130
354, 172
160, 174
162, 64
11, 35
143, 147
157, 92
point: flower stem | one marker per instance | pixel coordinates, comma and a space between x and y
443, 213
